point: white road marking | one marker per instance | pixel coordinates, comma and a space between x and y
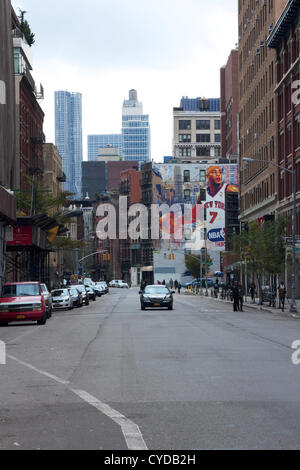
130, 430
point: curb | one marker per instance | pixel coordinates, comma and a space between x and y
253, 307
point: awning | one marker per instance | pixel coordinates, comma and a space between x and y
147, 269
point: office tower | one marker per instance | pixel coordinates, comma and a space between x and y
197, 130
68, 137
135, 130
95, 142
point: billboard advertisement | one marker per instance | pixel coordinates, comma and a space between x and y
197, 185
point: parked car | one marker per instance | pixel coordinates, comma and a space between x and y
156, 297
91, 293
62, 299
22, 301
119, 284
104, 285
47, 298
76, 296
84, 293
99, 289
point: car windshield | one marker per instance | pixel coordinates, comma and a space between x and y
21, 290
58, 293
80, 288
157, 290
44, 288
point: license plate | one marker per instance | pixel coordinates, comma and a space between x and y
57, 305
20, 317
156, 305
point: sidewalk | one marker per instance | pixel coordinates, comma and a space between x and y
256, 306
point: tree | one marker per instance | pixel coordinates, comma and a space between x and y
25, 28
192, 264
262, 248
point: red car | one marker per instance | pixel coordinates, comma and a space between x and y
22, 301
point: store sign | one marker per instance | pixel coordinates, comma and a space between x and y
22, 236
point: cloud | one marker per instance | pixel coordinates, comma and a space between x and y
102, 48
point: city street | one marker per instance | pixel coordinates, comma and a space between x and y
109, 376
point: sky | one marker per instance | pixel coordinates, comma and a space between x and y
165, 49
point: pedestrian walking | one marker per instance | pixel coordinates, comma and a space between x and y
164, 283
282, 295
179, 287
143, 285
241, 297
252, 292
176, 284
235, 296
171, 284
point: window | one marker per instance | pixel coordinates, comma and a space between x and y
185, 138
203, 138
187, 177
202, 176
187, 195
203, 125
184, 125
217, 124
203, 152
185, 152
217, 137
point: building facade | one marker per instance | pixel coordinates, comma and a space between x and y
230, 107
95, 142
9, 171
285, 41
68, 138
197, 130
135, 130
257, 107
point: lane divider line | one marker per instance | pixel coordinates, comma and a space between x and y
130, 430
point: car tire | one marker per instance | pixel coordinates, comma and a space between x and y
43, 320
170, 307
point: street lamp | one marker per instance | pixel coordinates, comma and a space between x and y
293, 308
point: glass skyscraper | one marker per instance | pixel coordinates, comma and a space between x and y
101, 141
135, 130
68, 138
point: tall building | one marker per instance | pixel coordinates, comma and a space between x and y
95, 142
197, 125
135, 130
68, 137
257, 107
285, 40
230, 106
9, 175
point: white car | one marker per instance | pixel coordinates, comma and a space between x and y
119, 284
62, 299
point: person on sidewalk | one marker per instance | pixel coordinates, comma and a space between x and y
235, 296
282, 295
241, 297
179, 287
253, 292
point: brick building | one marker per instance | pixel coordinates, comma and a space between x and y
257, 107
130, 251
230, 107
285, 41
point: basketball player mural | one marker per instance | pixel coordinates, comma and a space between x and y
215, 206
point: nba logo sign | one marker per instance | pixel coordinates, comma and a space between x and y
2, 353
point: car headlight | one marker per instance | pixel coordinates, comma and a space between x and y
37, 306
4, 309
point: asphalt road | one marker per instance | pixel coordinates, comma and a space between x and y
112, 377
